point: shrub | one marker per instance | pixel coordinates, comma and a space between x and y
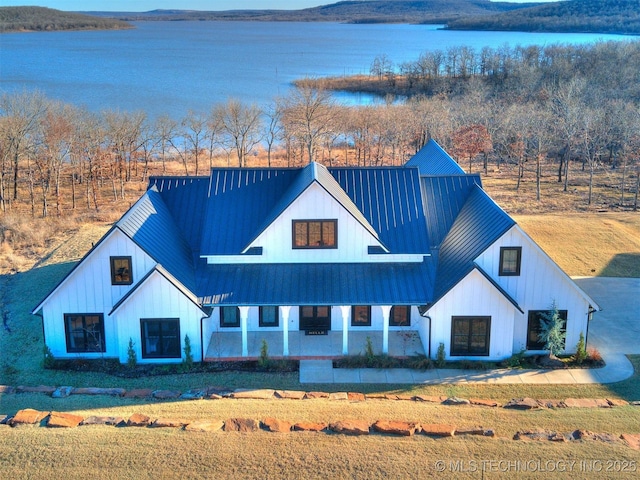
188, 354
581, 350
551, 333
440, 356
419, 362
49, 361
516, 360
263, 361
594, 356
368, 352
132, 358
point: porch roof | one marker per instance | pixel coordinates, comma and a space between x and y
317, 284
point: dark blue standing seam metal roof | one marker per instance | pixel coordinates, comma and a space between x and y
317, 284
150, 225
185, 197
389, 198
443, 197
314, 172
478, 225
433, 160
237, 202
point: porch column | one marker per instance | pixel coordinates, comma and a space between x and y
386, 313
345, 310
284, 315
244, 315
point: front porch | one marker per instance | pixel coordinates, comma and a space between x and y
228, 345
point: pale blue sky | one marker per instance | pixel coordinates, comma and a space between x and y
146, 5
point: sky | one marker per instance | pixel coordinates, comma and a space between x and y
146, 5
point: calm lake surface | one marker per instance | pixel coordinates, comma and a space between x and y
173, 67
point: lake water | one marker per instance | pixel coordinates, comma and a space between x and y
173, 67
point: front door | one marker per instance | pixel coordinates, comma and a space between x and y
315, 320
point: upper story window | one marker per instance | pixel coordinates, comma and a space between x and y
510, 258
121, 271
315, 234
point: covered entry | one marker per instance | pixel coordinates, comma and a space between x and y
315, 320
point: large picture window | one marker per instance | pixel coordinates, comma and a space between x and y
361, 316
269, 317
121, 271
400, 316
534, 328
229, 317
84, 332
315, 233
160, 337
470, 335
510, 258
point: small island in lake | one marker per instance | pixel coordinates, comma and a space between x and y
38, 19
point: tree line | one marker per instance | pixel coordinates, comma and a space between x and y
530, 121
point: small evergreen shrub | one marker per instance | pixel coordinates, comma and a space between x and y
132, 358
440, 356
368, 351
263, 361
188, 354
516, 360
581, 351
49, 361
551, 333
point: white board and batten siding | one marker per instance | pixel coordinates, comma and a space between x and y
88, 290
540, 283
473, 296
157, 298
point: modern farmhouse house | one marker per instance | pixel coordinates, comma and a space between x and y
315, 261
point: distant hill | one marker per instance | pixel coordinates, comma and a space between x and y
367, 11
30, 19
592, 16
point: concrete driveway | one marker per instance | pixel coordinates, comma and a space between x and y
616, 329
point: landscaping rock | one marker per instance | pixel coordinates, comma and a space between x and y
28, 416
4, 419
214, 396
356, 397
114, 392
312, 395
600, 437
205, 426
534, 435
483, 403
522, 404
99, 420
586, 403
633, 440
62, 392
456, 401
551, 403
260, 394
138, 393
350, 427
195, 394
290, 394
310, 427
7, 389
635, 403
558, 437
275, 425
219, 391
616, 402
338, 396
241, 425
167, 423
392, 396
376, 396
429, 398
438, 430
405, 429
481, 431
138, 420
39, 389
64, 420
165, 394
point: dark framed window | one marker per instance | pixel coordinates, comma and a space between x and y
160, 337
229, 317
361, 316
121, 271
269, 317
84, 332
470, 335
534, 327
315, 234
510, 261
315, 317
400, 316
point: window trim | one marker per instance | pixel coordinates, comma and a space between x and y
112, 260
392, 323
229, 325
67, 332
507, 273
530, 314
468, 353
314, 247
353, 316
144, 352
267, 325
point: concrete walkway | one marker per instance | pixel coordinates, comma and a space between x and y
614, 331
